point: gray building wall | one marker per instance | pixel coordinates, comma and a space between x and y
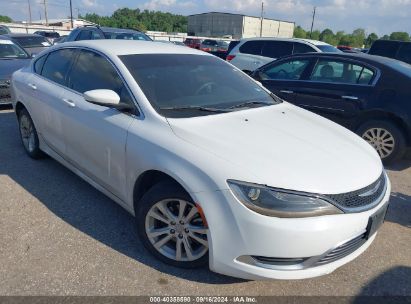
237, 26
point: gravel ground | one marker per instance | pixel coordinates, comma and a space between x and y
60, 236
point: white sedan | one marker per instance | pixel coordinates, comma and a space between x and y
216, 169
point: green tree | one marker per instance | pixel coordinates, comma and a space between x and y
358, 38
5, 19
402, 36
299, 32
315, 35
328, 36
370, 39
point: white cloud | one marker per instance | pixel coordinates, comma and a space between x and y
90, 3
167, 4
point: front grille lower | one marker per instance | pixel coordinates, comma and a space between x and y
363, 198
342, 250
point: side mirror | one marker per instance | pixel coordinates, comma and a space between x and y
105, 98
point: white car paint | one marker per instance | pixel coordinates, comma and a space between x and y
251, 62
280, 146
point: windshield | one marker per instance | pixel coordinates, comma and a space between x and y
127, 36
172, 81
9, 50
32, 41
328, 49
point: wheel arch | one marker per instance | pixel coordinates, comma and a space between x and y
19, 107
386, 116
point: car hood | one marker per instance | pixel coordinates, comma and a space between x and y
286, 147
9, 66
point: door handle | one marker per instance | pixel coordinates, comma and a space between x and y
287, 92
33, 86
69, 102
350, 97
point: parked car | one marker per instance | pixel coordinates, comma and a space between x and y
97, 32
231, 45
392, 49
4, 30
368, 94
51, 36
253, 53
348, 49
215, 168
178, 43
62, 39
31, 43
12, 58
211, 45
193, 43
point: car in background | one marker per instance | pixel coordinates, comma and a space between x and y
4, 30
211, 45
253, 53
180, 43
51, 36
62, 39
215, 169
369, 95
232, 44
348, 49
193, 43
12, 58
97, 32
399, 50
31, 43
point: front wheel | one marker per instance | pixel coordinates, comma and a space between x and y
171, 227
28, 135
385, 137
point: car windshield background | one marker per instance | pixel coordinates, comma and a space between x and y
8, 50
328, 49
127, 36
300, 48
328, 70
32, 41
93, 72
289, 70
183, 80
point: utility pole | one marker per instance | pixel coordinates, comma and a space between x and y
262, 18
28, 2
312, 23
71, 14
45, 11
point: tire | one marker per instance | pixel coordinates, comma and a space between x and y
387, 139
28, 135
190, 235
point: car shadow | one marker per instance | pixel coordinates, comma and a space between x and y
401, 165
80, 205
400, 209
393, 286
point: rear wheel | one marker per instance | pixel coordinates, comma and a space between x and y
385, 137
171, 227
28, 135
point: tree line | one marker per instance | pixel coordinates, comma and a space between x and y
358, 38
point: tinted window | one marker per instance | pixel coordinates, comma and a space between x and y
404, 54
84, 35
182, 80
384, 48
57, 64
287, 70
328, 48
341, 72
92, 71
10, 50
252, 47
277, 49
38, 64
127, 36
300, 48
32, 41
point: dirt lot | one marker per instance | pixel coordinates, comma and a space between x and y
60, 236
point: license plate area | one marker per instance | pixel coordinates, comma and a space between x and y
375, 221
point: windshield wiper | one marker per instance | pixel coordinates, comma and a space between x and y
198, 108
249, 103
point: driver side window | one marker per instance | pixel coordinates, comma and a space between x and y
289, 70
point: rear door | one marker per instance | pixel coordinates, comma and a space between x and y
336, 89
274, 49
96, 135
249, 56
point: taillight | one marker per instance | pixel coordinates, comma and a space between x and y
230, 57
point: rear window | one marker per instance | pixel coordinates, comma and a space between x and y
277, 49
9, 50
252, 47
32, 41
300, 48
328, 49
52, 34
384, 48
127, 36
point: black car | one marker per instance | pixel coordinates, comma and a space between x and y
399, 50
97, 32
31, 43
52, 36
368, 94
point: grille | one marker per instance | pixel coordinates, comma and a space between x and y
342, 251
365, 197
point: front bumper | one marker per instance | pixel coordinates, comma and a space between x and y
237, 235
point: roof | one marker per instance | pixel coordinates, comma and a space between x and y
117, 30
15, 35
314, 42
232, 14
128, 47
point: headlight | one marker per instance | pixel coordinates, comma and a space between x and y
280, 203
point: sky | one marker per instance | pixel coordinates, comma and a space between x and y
379, 16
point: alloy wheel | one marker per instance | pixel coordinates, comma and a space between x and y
176, 229
28, 135
382, 141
